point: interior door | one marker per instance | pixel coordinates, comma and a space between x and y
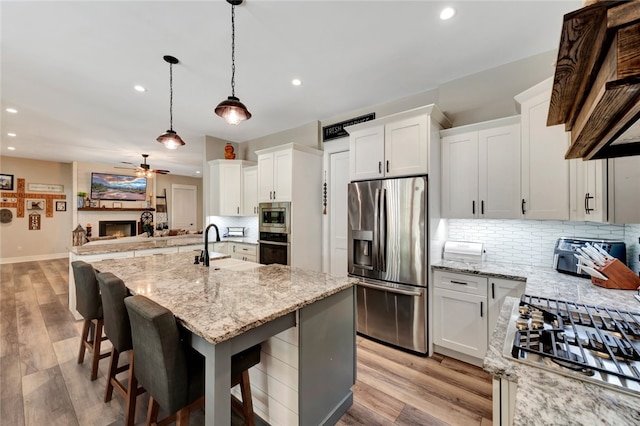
184, 206
337, 206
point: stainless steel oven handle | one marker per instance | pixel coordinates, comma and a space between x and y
390, 289
273, 243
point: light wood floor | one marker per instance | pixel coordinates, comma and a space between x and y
41, 383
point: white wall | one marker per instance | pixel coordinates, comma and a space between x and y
531, 242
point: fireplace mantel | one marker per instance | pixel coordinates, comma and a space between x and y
111, 209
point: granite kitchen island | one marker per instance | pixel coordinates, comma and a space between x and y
305, 321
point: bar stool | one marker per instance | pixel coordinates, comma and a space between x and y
118, 330
174, 376
89, 305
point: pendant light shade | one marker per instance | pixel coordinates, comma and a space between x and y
170, 138
231, 109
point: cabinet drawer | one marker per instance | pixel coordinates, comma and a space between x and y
244, 249
461, 282
151, 252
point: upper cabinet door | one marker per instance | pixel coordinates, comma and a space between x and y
545, 172
405, 147
625, 179
367, 153
282, 173
250, 191
499, 172
265, 177
460, 176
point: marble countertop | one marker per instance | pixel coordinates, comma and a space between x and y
226, 299
136, 243
544, 397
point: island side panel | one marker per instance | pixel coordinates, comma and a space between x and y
327, 358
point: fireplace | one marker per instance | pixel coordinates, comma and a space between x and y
117, 228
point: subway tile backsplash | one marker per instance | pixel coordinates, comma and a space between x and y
250, 224
531, 242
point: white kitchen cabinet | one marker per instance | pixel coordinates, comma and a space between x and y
395, 145
275, 176
226, 187
498, 290
294, 173
481, 170
624, 196
460, 313
241, 251
250, 191
588, 190
153, 251
545, 172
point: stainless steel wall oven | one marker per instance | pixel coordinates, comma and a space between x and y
274, 226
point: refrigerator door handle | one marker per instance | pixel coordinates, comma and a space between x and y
383, 230
376, 230
415, 293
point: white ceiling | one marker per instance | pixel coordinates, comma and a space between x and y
69, 67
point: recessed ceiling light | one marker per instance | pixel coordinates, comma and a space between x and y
139, 88
11, 148
13, 135
296, 82
447, 13
12, 110
197, 172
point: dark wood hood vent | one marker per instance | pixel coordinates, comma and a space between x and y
596, 88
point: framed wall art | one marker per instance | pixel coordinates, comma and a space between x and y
61, 206
35, 204
6, 182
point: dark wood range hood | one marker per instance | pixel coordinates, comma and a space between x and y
596, 88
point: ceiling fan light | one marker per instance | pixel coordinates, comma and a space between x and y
232, 110
170, 140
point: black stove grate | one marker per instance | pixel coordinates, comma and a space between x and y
585, 338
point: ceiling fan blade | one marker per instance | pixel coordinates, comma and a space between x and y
161, 172
126, 168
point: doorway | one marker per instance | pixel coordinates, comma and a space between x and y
184, 206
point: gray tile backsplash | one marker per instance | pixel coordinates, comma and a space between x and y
531, 242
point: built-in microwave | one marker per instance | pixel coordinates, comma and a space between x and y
275, 217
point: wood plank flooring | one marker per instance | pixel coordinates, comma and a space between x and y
41, 383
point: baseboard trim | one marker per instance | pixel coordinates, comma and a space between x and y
21, 259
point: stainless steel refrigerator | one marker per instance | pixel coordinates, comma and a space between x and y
388, 246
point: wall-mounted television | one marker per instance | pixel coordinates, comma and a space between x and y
108, 186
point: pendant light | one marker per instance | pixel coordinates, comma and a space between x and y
231, 109
170, 138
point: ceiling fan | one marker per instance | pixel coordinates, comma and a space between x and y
144, 169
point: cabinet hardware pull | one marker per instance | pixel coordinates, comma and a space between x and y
238, 210
482, 207
481, 315
522, 205
274, 195
387, 166
493, 290
459, 282
473, 207
587, 197
380, 167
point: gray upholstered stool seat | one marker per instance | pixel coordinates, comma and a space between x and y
89, 305
172, 373
118, 330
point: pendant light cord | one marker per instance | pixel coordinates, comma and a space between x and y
233, 50
171, 96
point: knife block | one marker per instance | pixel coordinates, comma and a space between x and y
620, 277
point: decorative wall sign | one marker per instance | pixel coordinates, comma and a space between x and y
21, 196
8, 200
337, 130
117, 205
6, 182
34, 221
45, 187
35, 204
61, 206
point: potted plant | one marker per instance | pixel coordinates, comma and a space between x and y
81, 197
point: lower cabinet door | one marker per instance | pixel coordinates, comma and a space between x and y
460, 322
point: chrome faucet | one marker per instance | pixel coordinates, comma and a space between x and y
205, 255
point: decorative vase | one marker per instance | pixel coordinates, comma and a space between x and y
80, 202
229, 153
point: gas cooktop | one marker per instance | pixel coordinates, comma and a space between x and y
592, 343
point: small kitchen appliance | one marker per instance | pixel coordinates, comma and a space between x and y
592, 343
565, 262
463, 251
